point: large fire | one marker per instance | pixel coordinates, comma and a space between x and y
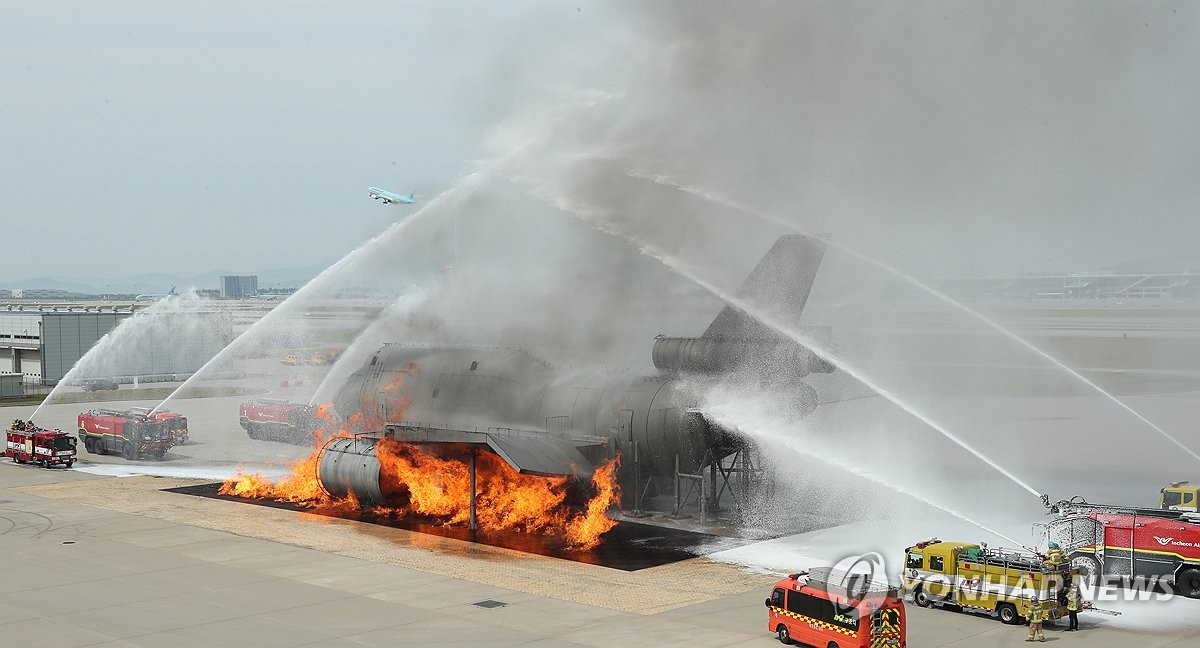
437, 488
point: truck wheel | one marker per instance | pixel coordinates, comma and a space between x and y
129, 451
781, 632
1089, 570
70, 463
43, 463
1007, 613
922, 598
1188, 582
89, 444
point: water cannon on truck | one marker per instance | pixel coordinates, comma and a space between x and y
29, 443
124, 433
273, 419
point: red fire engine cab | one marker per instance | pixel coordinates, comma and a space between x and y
813, 609
128, 434
28, 442
174, 422
1108, 540
272, 419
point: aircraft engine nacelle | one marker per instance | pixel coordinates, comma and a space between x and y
717, 355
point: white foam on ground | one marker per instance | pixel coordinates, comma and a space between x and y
789, 554
215, 473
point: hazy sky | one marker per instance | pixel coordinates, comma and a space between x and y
184, 137
947, 138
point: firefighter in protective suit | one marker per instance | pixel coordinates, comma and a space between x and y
1037, 614
1073, 605
1055, 555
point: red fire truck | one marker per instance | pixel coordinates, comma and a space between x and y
28, 442
813, 609
124, 433
175, 423
1105, 540
271, 419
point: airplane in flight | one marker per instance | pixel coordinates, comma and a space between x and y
388, 197
156, 296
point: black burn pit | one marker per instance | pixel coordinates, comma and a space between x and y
629, 546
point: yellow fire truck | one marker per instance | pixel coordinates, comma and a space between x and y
974, 578
1180, 496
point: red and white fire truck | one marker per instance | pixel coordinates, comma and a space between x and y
271, 419
124, 433
30, 443
176, 423
812, 609
1105, 540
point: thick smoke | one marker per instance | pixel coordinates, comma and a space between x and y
939, 139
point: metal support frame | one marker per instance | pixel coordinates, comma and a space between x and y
719, 480
474, 525
693, 480
637, 482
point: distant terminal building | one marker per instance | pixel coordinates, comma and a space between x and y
1080, 285
239, 287
42, 344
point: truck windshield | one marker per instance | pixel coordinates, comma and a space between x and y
63, 443
151, 431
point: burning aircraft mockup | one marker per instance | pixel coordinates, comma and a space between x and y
546, 420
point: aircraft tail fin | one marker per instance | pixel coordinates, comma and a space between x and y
779, 284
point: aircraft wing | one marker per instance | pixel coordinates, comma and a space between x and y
527, 451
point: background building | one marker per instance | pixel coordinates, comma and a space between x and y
43, 345
239, 287
11, 385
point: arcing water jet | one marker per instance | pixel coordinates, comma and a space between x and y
718, 200
794, 333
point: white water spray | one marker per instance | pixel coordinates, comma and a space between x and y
125, 349
513, 138
725, 202
364, 344
458, 192
757, 420
795, 334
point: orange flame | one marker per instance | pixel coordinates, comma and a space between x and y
421, 484
584, 531
424, 485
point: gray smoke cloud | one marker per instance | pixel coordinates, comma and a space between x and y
944, 138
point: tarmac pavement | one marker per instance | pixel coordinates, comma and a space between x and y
102, 561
